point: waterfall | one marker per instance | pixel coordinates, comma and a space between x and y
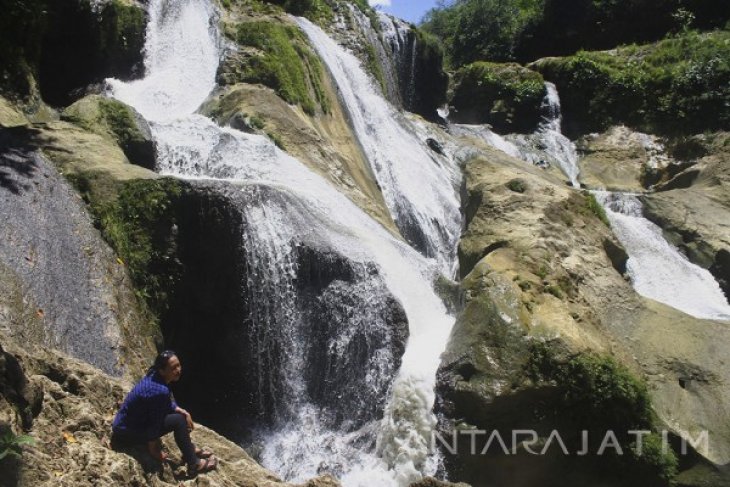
376, 426
547, 145
657, 269
398, 36
420, 188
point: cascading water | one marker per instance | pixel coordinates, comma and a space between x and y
419, 188
290, 210
399, 37
656, 268
545, 146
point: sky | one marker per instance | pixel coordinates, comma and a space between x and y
410, 10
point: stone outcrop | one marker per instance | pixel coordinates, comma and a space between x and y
71, 406
540, 268
119, 122
324, 143
64, 287
621, 160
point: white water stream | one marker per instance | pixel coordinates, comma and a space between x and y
182, 55
419, 187
657, 269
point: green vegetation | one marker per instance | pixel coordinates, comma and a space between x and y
286, 64
595, 208
507, 96
677, 86
474, 30
122, 28
35, 39
112, 115
599, 394
555, 291
121, 122
318, 11
137, 218
12, 444
524, 30
373, 66
517, 185
22, 25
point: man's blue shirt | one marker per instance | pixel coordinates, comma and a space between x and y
144, 409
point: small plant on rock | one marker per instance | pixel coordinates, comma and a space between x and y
12, 444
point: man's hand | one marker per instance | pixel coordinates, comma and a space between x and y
188, 418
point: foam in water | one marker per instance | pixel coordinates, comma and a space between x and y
296, 205
419, 188
657, 269
181, 60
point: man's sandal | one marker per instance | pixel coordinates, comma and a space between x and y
206, 465
203, 453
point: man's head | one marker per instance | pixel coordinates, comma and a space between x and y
168, 366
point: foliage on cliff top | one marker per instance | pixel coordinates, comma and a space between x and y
677, 86
285, 63
507, 96
524, 30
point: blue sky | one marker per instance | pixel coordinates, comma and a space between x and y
410, 10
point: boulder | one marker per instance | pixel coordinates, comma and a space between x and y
123, 124
541, 269
621, 160
10, 116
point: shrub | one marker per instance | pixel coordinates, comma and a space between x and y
12, 444
596, 209
677, 86
137, 219
507, 96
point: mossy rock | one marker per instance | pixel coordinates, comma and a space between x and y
59, 47
677, 86
112, 118
430, 82
277, 54
138, 219
506, 96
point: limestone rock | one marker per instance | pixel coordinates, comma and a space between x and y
325, 144
10, 116
72, 431
540, 267
697, 218
117, 121
620, 159
65, 287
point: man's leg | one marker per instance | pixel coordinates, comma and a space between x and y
179, 426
